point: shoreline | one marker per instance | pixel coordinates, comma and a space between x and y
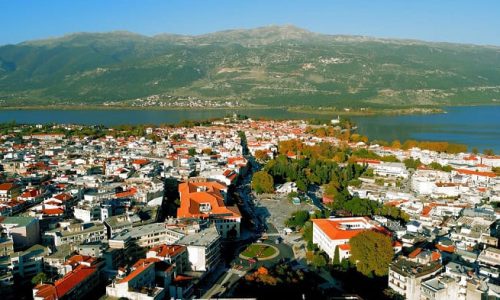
314, 112
293, 109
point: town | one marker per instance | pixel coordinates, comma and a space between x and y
243, 208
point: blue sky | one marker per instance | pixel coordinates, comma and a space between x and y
473, 21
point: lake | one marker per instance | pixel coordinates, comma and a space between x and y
475, 126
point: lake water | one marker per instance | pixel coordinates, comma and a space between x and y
477, 126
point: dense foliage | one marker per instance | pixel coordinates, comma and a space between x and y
262, 182
371, 252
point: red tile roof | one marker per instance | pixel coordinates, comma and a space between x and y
63, 197
368, 161
71, 280
7, 186
168, 250
46, 291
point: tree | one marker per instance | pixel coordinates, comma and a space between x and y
207, 151
318, 261
261, 155
488, 152
411, 163
301, 185
396, 144
336, 256
475, 150
298, 219
262, 182
39, 278
191, 151
371, 252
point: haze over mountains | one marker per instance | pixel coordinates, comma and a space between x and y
275, 65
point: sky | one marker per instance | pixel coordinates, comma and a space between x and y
472, 21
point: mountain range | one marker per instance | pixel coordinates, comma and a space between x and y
271, 66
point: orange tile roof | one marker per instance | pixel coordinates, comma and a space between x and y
415, 252
345, 247
139, 267
129, 193
426, 211
449, 249
332, 227
76, 260
140, 162
191, 199
53, 211
435, 255
471, 172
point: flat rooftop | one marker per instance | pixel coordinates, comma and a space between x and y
201, 238
139, 231
409, 268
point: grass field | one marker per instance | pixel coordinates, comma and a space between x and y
259, 251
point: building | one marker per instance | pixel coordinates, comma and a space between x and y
150, 235
75, 234
77, 284
117, 224
25, 231
139, 283
206, 200
203, 249
391, 169
6, 246
175, 255
405, 277
336, 232
9, 191
28, 263
490, 257
439, 288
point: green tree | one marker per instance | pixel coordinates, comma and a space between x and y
298, 219
336, 256
411, 163
39, 278
191, 151
262, 182
371, 252
301, 185
318, 261
488, 152
345, 264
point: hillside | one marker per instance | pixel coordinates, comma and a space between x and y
276, 65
